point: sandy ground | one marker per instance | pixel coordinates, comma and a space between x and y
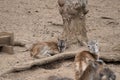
39, 20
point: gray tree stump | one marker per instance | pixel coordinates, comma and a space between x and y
74, 20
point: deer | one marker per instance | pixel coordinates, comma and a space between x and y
82, 61
97, 71
48, 48
82, 58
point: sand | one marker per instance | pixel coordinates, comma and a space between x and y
39, 20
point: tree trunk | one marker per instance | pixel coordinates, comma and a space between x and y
73, 14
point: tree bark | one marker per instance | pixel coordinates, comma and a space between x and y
73, 14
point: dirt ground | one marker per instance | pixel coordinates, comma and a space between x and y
39, 20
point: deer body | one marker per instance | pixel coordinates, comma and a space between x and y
97, 71
82, 61
47, 48
87, 65
44, 48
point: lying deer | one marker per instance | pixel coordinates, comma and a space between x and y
97, 71
48, 48
82, 59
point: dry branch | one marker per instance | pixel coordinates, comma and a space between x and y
44, 61
28, 65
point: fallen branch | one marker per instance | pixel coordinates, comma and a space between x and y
44, 61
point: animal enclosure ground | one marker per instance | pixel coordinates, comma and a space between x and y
39, 20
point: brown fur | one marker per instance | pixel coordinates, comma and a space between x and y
42, 47
82, 61
97, 71
91, 72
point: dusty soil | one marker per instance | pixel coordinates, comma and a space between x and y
39, 20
